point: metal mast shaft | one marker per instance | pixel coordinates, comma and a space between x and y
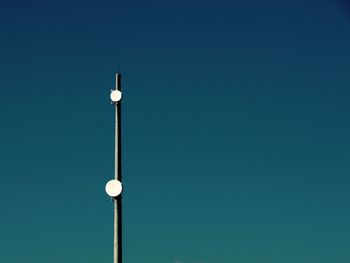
117, 171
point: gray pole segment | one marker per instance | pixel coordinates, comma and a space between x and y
117, 171
115, 232
116, 177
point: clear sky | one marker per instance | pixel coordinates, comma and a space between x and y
235, 116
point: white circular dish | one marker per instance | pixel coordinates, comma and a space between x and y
116, 95
113, 188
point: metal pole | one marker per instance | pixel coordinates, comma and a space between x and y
117, 171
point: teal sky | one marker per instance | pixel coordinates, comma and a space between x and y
236, 145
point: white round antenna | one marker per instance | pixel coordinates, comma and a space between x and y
114, 188
116, 95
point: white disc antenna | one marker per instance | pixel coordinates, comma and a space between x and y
116, 95
114, 188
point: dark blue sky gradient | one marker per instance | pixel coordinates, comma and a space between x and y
236, 142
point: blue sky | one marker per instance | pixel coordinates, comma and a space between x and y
235, 130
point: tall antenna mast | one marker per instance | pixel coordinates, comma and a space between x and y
114, 187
